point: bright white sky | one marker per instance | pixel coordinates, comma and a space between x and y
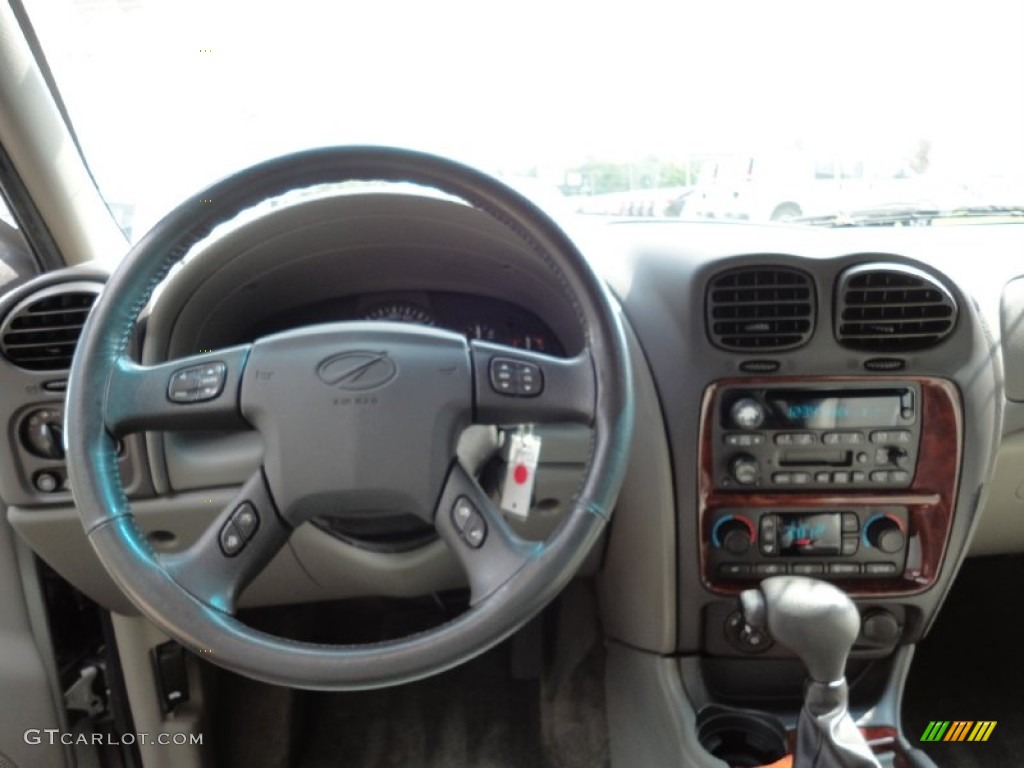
534, 83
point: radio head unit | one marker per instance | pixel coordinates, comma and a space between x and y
785, 438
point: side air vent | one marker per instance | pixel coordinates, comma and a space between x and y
41, 332
760, 309
892, 308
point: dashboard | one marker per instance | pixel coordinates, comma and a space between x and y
826, 402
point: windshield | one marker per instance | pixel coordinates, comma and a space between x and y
720, 110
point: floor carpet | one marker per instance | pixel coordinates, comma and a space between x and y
971, 667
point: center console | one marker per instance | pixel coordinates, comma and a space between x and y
849, 480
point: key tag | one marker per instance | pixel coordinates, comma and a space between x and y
520, 473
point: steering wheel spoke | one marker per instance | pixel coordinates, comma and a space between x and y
233, 550
514, 386
197, 392
473, 527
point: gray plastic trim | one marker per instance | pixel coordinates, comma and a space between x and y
1011, 314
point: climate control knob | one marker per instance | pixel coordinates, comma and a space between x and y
747, 413
733, 534
885, 534
744, 469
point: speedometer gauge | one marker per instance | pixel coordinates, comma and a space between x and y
401, 312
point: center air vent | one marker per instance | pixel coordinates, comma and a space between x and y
760, 308
892, 308
41, 332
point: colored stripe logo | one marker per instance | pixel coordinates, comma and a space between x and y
958, 730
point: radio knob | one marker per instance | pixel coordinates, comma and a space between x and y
747, 413
885, 534
744, 469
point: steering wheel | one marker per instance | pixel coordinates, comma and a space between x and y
361, 415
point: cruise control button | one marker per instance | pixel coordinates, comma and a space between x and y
461, 514
246, 520
231, 541
475, 532
469, 522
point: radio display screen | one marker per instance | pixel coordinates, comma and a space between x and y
806, 535
834, 410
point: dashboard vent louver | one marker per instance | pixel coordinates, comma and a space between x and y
892, 308
760, 308
42, 331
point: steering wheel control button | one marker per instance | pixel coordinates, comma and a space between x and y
514, 377
197, 384
462, 512
231, 539
469, 522
503, 376
246, 520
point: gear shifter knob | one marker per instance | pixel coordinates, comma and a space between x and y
814, 619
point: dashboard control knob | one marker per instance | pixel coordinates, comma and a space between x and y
880, 627
735, 536
42, 433
744, 469
747, 413
884, 534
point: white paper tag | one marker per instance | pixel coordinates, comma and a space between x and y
520, 474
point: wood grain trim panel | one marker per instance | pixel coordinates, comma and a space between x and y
930, 501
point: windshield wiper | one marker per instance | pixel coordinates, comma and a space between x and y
896, 216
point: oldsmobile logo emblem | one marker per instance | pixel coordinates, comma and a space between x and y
357, 371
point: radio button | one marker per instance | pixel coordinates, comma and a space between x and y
880, 476
843, 569
899, 476
840, 478
796, 438
821, 477
801, 478
769, 569
744, 440
782, 478
843, 438
851, 523
880, 569
734, 570
858, 476
849, 546
808, 569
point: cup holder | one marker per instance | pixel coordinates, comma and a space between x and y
742, 738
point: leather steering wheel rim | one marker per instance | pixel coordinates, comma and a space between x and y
110, 395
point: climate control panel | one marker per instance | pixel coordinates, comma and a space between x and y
849, 543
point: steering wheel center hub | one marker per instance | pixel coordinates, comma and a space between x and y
358, 417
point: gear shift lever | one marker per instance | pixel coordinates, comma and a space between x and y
819, 623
